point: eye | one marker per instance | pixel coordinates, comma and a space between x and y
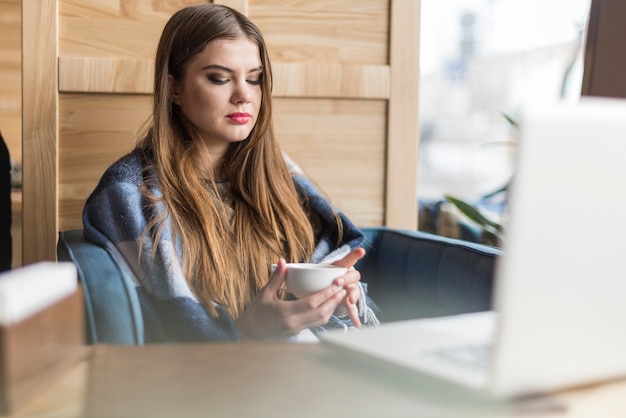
217, 80
256, 81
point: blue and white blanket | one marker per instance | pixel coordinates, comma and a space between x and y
115, 217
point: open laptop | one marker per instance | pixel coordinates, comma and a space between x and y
560, 293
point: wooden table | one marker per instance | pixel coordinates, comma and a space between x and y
63, 399
280, 380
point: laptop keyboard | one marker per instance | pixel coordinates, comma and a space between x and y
472, 356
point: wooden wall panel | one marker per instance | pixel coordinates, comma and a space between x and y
324, 31
339, 147
331, 80
11, 106
11, 76
135, 75
402, 120
106, 75
95, 130
345, 90
346, 162
40, 130
113, 28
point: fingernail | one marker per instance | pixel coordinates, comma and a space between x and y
341, 282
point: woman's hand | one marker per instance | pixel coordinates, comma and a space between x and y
269, 316
351, 284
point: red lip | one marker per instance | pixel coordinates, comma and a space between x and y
240, 118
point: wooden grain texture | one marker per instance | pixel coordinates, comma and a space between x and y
239, 5
339, 81
40, 123
324, 31
403, 119
321, 31
64, 398
39, 349
11, 76
16, 227
95, 130
135, 75
113, 28
339, 144
106, 75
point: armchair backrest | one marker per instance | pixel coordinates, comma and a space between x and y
414, 274
410, 274
112, 310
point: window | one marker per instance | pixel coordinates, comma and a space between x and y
481, 61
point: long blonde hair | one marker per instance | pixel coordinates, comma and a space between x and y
225, 261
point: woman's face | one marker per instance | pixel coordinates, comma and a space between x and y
220, 92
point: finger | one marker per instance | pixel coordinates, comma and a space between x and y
353, 313
317, 299
354, 293
321, 315
278, 276
348, 278
352, 296
305, 313
351, 259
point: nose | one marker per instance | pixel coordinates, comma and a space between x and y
242, 93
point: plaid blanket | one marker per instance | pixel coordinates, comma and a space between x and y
115, 217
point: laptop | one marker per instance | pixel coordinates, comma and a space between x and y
560, 293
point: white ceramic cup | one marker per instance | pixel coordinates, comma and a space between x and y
306, 278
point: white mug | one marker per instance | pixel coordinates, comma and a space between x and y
306, 278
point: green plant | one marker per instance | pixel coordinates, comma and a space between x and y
493, 231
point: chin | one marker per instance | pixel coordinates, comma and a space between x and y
236, 140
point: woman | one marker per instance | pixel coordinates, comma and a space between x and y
206, 203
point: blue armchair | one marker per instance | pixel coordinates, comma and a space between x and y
112, 310
414, 274
410, 274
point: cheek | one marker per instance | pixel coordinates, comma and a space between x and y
204, 102
258, 99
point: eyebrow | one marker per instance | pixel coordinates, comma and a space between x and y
230, 70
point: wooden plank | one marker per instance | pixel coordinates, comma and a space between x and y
106, 75
110, 37
117, 28
340, 144
324, 31
331, 80
239, 5
11, 76
40, 124
403, 116
135, 75
95, 130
